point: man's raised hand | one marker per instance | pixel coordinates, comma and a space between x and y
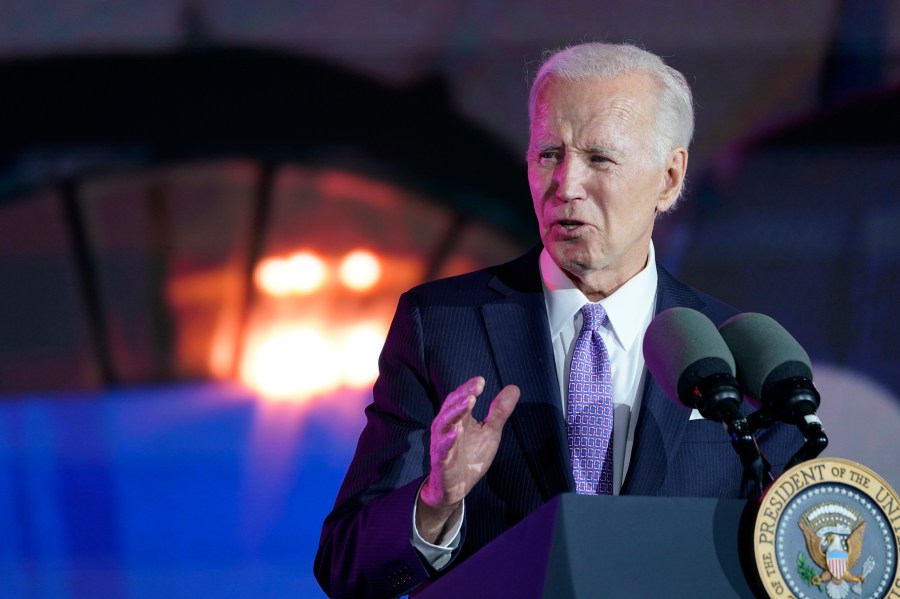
462, 449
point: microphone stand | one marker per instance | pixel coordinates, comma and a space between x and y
794, 401
718, 398
756, 466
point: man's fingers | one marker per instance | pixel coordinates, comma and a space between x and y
458, 403
502, 406
452, 412
473, 386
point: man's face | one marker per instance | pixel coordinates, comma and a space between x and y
595, 181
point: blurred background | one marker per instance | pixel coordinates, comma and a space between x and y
208, 210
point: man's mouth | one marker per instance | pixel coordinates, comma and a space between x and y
569, 225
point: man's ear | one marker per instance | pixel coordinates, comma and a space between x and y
672, 179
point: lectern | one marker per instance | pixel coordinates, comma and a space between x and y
585, 547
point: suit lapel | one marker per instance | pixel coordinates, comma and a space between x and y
519, 335
520, 340
661, 422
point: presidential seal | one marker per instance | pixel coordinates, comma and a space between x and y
830, 529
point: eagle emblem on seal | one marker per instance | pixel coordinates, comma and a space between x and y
834, 540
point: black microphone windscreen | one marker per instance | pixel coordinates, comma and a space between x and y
764, 351
683, 347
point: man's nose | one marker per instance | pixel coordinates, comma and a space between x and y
570, 174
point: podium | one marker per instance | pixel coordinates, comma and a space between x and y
580, 546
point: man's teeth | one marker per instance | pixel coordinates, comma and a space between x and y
568, 224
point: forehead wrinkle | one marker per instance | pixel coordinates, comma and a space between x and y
593, 124
612, 129
624, 112
545, 137
600, 125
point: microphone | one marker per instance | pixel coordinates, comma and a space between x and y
776, 371
692, 363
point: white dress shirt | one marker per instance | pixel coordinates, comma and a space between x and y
630, 309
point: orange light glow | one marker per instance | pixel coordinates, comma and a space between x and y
360, 270
269, 276
296, 363
362, 345
306, 272
292, 363
299, 274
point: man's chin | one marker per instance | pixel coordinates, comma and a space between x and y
574, 261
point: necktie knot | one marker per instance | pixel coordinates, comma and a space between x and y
594, 316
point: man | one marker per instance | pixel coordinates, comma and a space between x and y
474, 423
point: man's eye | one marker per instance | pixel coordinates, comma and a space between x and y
548, 157
599, 159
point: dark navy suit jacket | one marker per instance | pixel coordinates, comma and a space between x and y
493, 323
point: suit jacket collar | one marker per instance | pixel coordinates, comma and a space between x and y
519, 334
661, 422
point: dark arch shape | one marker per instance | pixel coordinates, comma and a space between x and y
261, 104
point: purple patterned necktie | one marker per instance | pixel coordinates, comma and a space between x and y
589, 408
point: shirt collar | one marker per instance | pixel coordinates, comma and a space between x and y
628, 307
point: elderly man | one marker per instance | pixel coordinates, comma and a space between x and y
505, 387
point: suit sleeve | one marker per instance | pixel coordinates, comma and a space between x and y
365, 548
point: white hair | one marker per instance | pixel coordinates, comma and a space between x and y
593, 61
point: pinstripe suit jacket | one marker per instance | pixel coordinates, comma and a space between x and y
493, 323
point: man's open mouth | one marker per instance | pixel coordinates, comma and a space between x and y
569, 225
